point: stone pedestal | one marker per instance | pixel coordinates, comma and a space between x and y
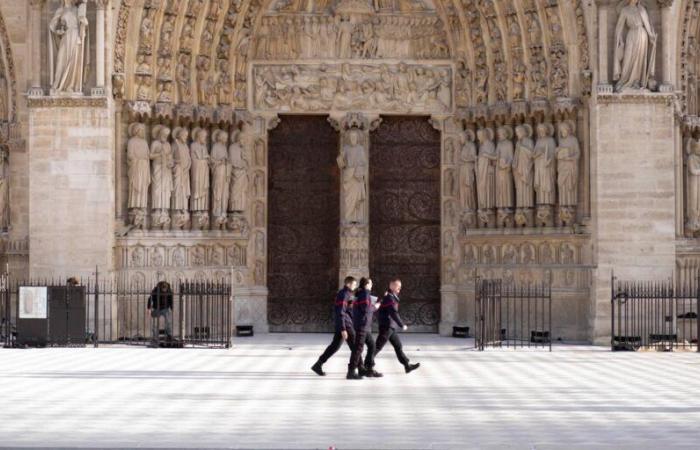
250, 308
634, 196
71, 186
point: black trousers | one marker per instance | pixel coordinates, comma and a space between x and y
363, 338
335, 345
390, 335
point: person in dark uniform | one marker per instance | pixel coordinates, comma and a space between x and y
389, 321
343, 324
362, 311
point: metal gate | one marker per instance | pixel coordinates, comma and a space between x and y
656, 315
405, 216
105, 311
513, 315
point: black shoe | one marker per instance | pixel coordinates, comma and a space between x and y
374, 374
411, 367
353, 375
363, 372
319, 371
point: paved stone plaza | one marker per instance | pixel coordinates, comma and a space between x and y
260, 394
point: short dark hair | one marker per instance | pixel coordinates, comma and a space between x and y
72, 281
394, 280
364, 282
349, 280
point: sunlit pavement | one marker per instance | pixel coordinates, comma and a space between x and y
261, 394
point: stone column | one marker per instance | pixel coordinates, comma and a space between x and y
604, 85
353, 161
668, 31
99, 88
451, 221
35, 6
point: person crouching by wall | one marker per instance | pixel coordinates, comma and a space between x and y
362, 312
160, 303
389, 321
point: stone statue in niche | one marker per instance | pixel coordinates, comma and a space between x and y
504, 176
353, 164
524, 174
486, 176
200, 179
162, 177
4, 188
221, 177
240, 180
545, 173
635, 48
181, 178
693, 187
467, 176
568, 154
139, 169
69, 49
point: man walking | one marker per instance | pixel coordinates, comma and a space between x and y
343, 324
389, 321
362, 312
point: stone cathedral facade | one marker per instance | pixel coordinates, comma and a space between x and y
284, 144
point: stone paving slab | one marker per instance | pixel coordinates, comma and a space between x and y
261, 394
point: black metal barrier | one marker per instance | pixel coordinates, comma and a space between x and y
99, 311
513, 315
654, 315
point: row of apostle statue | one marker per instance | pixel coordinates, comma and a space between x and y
516, 177
187, 183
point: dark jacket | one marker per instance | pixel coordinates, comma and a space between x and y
343, 310
160, 300
388, 315
362, 311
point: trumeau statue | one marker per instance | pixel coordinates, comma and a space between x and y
467, 171
240, 180
221, 176
635, 50
181, 177
161, 155
139, 169
693, 186
69, 53
353, 163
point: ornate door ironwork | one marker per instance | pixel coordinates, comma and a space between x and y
303, 220
405, 216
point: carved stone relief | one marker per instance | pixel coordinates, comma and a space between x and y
404, 88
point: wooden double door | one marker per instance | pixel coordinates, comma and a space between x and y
304, 218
